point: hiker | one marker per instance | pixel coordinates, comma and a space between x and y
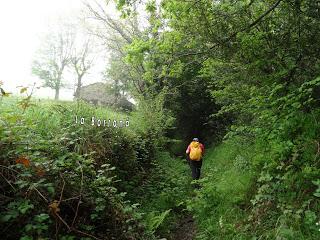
195, 153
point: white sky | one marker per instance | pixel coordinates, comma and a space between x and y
21, 24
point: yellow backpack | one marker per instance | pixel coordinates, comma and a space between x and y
195, 151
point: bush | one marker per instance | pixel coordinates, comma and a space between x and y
63, 180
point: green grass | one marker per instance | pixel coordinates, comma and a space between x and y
51, 111
229, 179
220, 206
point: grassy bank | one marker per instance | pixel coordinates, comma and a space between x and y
229, 204
220, 206
66, 180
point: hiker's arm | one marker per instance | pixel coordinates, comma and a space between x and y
187, 153
188, 150
202, 148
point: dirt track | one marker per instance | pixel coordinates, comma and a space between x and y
185, 229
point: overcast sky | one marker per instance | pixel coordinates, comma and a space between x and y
22, 22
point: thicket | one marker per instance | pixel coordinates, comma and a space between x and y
61, 179
259, 60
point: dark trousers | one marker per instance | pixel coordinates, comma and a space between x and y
195, 168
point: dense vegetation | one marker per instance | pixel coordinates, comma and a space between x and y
259, 60
244, 76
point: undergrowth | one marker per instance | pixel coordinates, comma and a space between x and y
166, 192
219, 207
241, 198
64, 180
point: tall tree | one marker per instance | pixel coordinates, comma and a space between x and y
116, 33
81, 61
53, 57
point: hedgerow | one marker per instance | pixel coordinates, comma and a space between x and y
63, 180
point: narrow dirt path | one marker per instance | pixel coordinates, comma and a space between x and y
185, 229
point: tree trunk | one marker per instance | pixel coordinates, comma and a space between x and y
77, 93
56, 96
58, 83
